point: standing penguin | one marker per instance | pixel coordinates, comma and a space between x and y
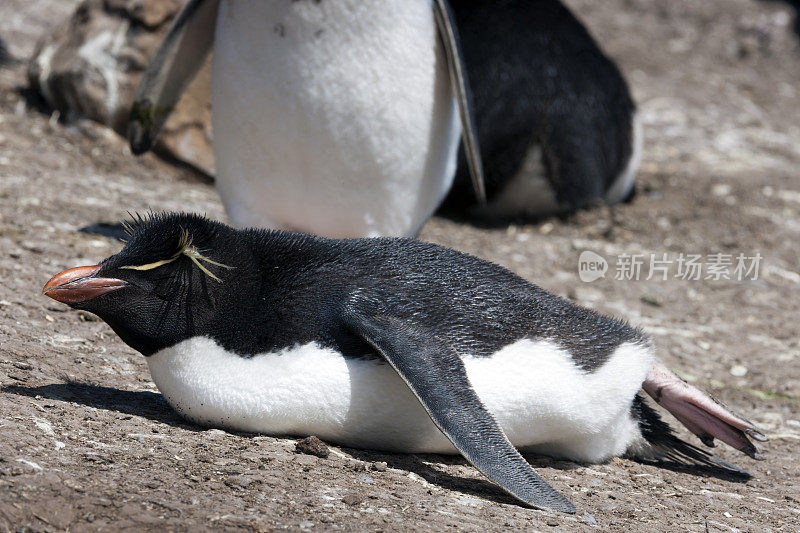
556, 124
343, 117
340, 118
389, 344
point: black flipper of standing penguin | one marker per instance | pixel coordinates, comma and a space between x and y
461, 90
174, 65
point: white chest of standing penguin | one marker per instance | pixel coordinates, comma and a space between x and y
338, 118
343, 118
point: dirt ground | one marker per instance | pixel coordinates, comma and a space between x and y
87, 443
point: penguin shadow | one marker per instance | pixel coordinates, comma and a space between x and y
463, 217
696, 469
460, 215
425, 466
110, 230
33, 100
146, 404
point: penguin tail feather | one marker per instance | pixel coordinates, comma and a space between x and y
667, 450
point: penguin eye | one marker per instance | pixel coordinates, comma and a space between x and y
185, 248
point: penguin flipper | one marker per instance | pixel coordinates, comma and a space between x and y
435, 373
456, 67
173, 66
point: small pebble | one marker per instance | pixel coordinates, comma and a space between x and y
738, 370
87, 317
312, 446
651, 300
358, 467
352, 499
721, 189
379, 466
241, 482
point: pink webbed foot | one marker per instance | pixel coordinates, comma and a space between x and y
701, 413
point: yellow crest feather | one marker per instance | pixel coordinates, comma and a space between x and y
184, 248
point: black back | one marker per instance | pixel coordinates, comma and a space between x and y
538, 78
288, 288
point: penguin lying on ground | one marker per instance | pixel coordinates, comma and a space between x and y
340, 118
388, 344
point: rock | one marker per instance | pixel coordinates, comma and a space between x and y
738, 370
312, 446
379, 466
87, 316
650, 300
353, 499
91, 64
358, 466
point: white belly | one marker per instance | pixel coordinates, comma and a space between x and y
332, 117
537, 395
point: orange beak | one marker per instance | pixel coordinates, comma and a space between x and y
78, 285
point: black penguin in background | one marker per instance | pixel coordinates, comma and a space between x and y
555, 119
389, 344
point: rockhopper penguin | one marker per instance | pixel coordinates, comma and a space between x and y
343, 118
388, 344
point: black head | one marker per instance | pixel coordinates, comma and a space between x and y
178, 276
